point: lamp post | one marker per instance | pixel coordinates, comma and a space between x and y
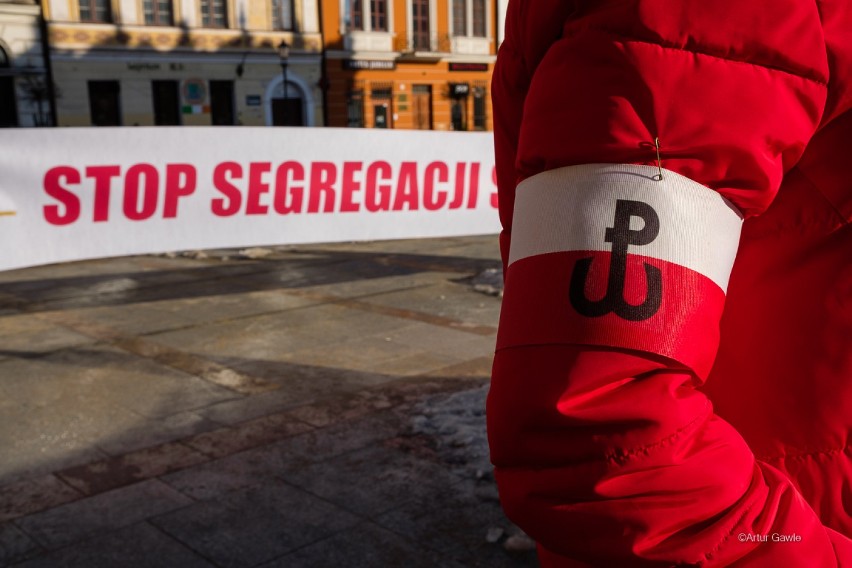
284, 55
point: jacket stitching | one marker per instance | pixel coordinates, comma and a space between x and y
805, 455
619, 37
715, 549
622, 456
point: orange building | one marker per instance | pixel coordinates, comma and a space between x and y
414, 64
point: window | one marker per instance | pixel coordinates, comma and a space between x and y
95, 11
356, 15
282, 14
479, 23
379, 15
420, 21
459, 18
158, 12
470, 18
214, 13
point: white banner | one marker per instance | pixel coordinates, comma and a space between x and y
76, 193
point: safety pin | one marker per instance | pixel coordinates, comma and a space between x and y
658, 177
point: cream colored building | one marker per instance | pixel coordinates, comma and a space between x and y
24, 83
185, 62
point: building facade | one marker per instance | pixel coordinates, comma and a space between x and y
24, 81
412, 64
185, 62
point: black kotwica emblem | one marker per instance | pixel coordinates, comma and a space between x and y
621, 236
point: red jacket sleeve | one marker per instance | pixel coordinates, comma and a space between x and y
604, 451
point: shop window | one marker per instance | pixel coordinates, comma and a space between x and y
282, 15
458, 114
479, 110
8, 103
214, 13
104, 103
355, 108
222, 103
166, 103
158, 12
95, 11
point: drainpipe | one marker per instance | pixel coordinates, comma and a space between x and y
323, 82
48, 65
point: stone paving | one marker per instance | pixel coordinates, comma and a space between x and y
291, 406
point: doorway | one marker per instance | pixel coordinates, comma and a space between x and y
421, 97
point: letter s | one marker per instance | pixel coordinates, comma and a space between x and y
52, 179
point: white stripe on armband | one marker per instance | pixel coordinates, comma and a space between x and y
572, 208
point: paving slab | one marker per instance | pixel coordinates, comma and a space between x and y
24, 336
373, 480
66, 524
366, 545
15, 545
248, 408
249, 527
267, 464
181, 313
137, 546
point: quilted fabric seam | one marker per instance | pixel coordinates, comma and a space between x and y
620, 38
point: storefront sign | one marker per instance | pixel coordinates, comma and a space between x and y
459, 89
253, 100
140, 66
92, 192
371, 64
468, 67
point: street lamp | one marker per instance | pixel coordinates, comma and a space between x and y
284, 55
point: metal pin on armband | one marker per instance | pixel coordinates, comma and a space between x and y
658, 177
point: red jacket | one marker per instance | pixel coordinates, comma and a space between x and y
673, 385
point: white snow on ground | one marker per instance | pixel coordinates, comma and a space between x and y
457, 423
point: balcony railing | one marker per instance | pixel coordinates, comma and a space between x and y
422, 43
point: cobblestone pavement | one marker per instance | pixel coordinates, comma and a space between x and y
288, 406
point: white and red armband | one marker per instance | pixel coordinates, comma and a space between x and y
611, 255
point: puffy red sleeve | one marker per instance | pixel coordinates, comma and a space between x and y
616, 265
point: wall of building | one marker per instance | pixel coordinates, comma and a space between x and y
135, 55
23, 76
455, 69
